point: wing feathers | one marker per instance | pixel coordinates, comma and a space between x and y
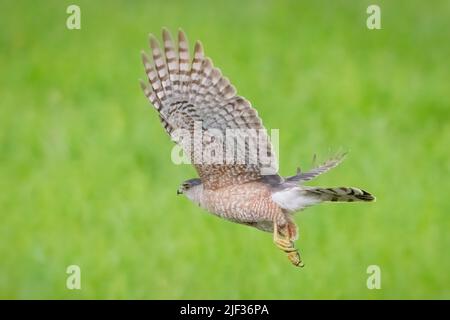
162, 92
324, 167
183, 53
195, 72
171, 60
184, 91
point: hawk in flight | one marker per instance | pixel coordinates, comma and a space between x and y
193, 94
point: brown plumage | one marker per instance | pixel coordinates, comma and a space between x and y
186, 92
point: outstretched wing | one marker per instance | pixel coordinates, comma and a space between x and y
195, 96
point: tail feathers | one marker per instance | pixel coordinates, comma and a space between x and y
342, 194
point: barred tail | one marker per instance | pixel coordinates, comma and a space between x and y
344, 194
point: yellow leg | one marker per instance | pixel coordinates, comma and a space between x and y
287, 245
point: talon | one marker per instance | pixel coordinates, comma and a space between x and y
287, 245
295, 259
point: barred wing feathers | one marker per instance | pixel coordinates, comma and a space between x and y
186, 92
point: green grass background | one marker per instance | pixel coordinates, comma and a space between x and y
85, 170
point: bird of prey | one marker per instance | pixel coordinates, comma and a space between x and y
187, 92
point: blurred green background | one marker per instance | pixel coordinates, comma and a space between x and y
85, 170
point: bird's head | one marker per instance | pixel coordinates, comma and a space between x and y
191, 188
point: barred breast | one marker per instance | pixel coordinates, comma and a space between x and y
249, 203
